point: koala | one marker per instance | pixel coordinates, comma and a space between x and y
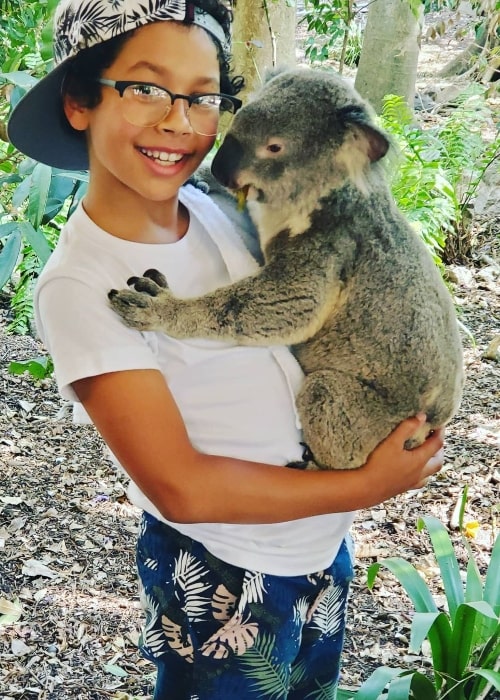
345, 280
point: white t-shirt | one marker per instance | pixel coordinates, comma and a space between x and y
235, 401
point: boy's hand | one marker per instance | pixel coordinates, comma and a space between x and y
391, 469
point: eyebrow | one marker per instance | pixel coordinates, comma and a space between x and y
202, 80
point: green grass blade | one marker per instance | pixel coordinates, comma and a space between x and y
410, 579
447, 561
492, 582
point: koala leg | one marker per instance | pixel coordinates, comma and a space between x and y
342, 420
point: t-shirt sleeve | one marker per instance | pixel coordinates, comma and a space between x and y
84, 336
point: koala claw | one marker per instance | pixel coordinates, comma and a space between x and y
152, 283
157, 277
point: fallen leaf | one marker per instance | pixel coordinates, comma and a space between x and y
33, 567
10, 611
115, 670
19, 648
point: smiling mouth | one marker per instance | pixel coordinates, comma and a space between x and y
162, 157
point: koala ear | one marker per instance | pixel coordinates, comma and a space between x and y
273, 72
375, 141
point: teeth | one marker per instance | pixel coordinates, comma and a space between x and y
162, 156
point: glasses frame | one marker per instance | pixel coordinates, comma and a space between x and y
121, 85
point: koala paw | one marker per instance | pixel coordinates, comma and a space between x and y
138, 308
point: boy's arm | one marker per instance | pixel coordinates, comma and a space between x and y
139, 420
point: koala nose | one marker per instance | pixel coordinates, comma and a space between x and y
226, 163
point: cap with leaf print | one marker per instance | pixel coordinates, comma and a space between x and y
37, 125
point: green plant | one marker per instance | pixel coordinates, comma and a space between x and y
334, 32
419, 182
38, 367
464, 640
34, 197
37, 200
439, 170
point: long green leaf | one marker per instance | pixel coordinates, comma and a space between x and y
7, 229
488, 659
447, 561
474, 584
493, 677
420, 626
487, 624
411, 581
400, 688
421, 687
440, 640
39, 190
375, 684
8, 257
462, 640
37, 241
492, 582
343, 694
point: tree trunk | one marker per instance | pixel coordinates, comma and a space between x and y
263, 37
389, 56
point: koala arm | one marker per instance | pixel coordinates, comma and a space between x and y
259, 310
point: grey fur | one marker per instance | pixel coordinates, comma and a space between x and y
346, 281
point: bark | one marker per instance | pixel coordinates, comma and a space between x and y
389, 56
262, 39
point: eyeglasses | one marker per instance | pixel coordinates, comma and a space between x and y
146, 104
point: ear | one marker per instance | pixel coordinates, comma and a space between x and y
76, 114
273, 72
375, 142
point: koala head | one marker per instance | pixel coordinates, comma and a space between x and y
304, 130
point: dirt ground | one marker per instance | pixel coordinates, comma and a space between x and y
68, 594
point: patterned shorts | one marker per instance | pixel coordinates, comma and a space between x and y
218, 632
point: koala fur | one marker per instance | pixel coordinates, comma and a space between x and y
346, 282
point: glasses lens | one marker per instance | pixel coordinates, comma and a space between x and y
145, 105
211, 114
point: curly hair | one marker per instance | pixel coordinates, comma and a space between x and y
89, 64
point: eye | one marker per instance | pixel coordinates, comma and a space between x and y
150, 93
274, 147
207, 100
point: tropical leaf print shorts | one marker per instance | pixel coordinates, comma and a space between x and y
218, 632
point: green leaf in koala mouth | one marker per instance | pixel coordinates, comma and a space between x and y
241, 196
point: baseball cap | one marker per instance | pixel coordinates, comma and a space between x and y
38, 126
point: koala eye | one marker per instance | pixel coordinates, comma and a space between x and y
274, 148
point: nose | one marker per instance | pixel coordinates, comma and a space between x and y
177, 118
226, 162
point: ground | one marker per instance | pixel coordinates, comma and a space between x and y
67, 531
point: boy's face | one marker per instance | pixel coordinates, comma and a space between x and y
131, 160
